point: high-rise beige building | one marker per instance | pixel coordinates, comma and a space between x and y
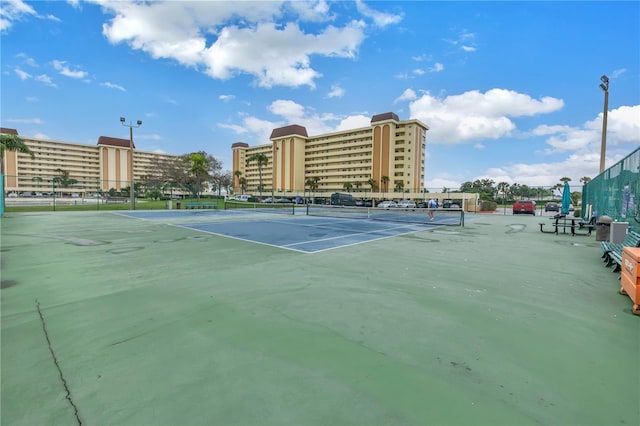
97, 167
386, 156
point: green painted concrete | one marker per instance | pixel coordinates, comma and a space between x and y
491, 324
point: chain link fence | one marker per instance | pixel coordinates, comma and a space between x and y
615, 192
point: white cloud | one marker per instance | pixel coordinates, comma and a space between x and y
582, 146
113, 86
418, 71
63, 69
226, 98
17, 10
465, 40
420, 58
474, 116
233, 127
148, 136
258, 131
22, 75
407, 95
288, 109
336, 92
27, 60
618, 73
380, 19
25, 120
275, 53
353, 122
14, 10
43, 78
623, 127
437, 67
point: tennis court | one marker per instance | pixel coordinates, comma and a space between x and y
148, 320
312, 229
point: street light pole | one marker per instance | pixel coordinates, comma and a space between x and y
603, 147
132, 195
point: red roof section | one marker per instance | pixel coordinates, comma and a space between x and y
385, 116
6, 131
294, 129
106, 140
240, 145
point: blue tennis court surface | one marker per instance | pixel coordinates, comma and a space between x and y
300, 233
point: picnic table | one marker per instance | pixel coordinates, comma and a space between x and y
564, 223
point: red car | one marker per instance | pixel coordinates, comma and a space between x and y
524, 206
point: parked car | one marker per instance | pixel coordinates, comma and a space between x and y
406, 204
552, 207
524, 206
12, 195
386, 204
449, 204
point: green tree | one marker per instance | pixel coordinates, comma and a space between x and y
238, 174
399, 186
262, 160
585, 180
198, 167
373, 184
243, 184
10, 142
385, 183
347, 186
63, 179
503, 189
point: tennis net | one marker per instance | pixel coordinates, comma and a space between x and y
453, 217
259, 207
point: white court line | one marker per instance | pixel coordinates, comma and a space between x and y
325, 225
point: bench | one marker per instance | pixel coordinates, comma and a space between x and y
612, 252
116, 200
588, 226
203, 205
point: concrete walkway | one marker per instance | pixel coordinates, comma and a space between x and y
113, 320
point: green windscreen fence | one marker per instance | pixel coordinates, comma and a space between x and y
616, 192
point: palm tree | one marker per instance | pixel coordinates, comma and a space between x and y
237, 174
63, 180
347, 186
385, 183
243, 184
585, 180
503, 187
399, 186
199, 168
373, 184
262, 160
12, 143
357, 185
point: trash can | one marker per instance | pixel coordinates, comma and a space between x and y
169, 204
618, 232
603, 228
178, 207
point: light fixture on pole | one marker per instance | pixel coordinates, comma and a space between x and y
132, 199
603, 147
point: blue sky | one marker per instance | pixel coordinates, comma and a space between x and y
509, 89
